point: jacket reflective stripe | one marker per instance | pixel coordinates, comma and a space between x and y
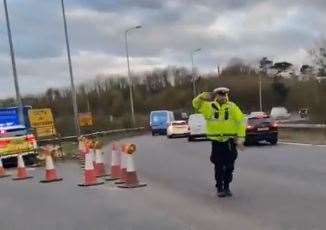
223, 135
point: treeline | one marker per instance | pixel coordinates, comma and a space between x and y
107, 97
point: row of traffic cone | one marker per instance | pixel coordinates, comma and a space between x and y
22, 173
122, 165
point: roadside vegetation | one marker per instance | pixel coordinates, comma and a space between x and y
107, 97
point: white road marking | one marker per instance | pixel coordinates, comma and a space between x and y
300, 144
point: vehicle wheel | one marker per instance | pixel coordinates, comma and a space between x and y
30, 159
168, 136
153, 133
273, 141
190, 138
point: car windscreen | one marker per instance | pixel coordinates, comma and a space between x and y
159, 117
178, 123
258, 121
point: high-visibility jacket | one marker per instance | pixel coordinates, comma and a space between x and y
223, 121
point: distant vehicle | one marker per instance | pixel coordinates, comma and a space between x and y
303, 112
178, 128
257, 113
159, 121
197, 127
16, 138
280, 113
261, 128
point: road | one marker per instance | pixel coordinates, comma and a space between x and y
275, 187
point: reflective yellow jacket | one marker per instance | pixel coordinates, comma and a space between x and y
222, 121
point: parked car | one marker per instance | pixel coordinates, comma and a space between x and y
280, 113
178, 129
257, 113
197, 127
261, 128
159, 121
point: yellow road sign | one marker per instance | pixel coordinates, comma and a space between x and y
40, 117
85, 119
43, 122
45, 131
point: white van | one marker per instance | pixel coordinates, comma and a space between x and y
197, 127
280, 113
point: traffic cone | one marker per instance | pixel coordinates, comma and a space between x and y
115, 163
123, 165
131, 175
2, 170
89, 174
99, 164
21, 169
50, 172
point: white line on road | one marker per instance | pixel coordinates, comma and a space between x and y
300, 144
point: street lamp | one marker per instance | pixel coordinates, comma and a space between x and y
129, 74
14, 70
72, 85
193, 70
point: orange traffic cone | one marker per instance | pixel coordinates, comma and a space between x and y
21, 169
2, 170
99, 164
50, 172
123, 165
89, 174
131, 175
115, 163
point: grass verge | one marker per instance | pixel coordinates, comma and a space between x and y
309, 136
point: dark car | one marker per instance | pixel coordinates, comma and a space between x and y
261, 128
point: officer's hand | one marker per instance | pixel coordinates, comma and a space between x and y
239, 144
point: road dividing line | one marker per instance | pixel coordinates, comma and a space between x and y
300, 144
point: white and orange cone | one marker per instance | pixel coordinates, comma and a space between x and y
21, 169
99, 163
2, 170
89, 173
115, 163
131, 175
123, 165
50, 172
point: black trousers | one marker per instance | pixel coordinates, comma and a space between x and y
223, 157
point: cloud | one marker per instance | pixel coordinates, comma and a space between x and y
281, 30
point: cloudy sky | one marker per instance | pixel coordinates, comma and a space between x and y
249, 29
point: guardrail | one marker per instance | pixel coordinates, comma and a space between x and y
302, 126
95, 134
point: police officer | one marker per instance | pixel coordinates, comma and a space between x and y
226, 130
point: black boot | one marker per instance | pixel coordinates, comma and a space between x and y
227, 190
220, 190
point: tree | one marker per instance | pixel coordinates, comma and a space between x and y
281, 92
318, 55
265, 64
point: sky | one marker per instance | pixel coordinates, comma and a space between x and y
171, 30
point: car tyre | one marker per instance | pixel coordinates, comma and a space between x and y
190, 138
273, 141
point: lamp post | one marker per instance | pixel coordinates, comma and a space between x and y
129, 74
72, 85
193, 70
14, 70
